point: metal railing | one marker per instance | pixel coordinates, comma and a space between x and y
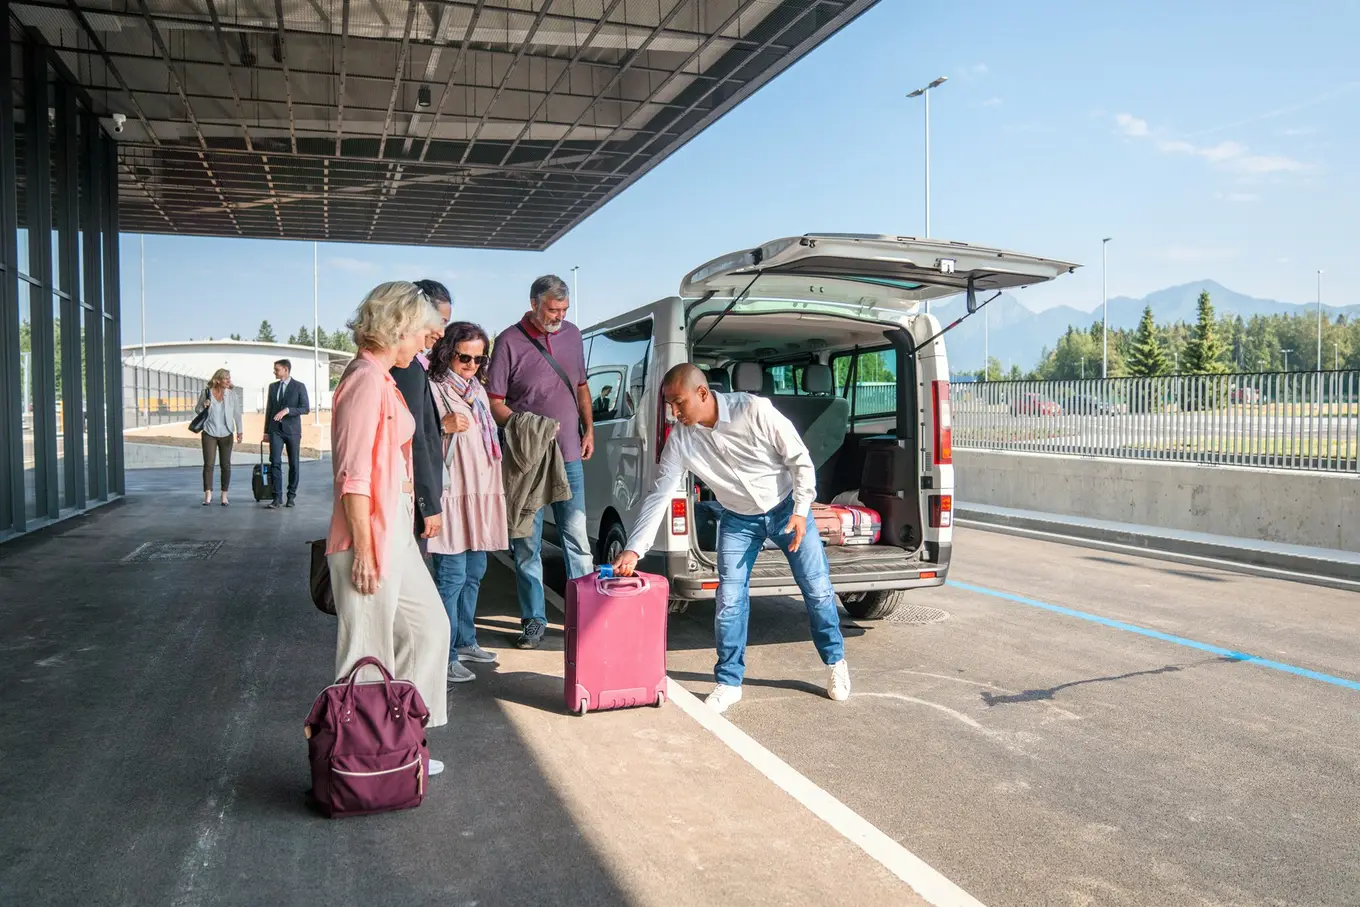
153, 397
1295, 420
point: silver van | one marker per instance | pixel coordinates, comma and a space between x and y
829, 327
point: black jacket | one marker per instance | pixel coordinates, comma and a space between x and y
295, 401
427, 446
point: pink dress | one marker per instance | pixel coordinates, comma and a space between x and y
474, 490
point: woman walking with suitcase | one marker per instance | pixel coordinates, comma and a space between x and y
223, 423
385, 600
474, 489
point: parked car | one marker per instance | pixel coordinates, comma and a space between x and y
1090, 405
1245, 395
1032, 404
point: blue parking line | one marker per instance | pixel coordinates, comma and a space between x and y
1164, 637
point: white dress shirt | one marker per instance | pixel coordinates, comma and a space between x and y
751, 460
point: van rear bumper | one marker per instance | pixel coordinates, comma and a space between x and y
693, 584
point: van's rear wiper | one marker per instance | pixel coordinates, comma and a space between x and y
970, 307
731, 305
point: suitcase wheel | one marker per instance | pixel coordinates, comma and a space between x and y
583, 707
660, 699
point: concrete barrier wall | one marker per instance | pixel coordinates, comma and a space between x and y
1297, 508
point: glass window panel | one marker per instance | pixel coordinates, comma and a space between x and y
624, 350
26, 365
85, 400
62, 413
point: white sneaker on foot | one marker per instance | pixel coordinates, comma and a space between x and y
723, 697
459, 674
838, 687
476, 655
435, 767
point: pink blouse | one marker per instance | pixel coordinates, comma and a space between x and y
371, 431
474, 489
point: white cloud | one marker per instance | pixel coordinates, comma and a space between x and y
352, 265
1131, 126
1298, 131
1257, 164
1240, 197
1192, 255
992, 102
979, 69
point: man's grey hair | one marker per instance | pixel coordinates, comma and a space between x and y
549, 286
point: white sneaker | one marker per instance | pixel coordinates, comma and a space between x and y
476, 655
723, 697
838, 687
459, 674
435, 767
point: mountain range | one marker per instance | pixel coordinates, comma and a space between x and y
1018, 335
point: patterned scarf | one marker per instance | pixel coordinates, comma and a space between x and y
470, 391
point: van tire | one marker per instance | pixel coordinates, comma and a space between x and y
612, 543
874, 605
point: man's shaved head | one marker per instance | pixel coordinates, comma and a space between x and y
686, 376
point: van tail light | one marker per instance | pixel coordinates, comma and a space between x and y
944, 427
679, 516
941, 511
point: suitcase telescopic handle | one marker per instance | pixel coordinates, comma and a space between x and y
606, 583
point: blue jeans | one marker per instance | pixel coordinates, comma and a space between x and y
571, 526
739, 541
459, 578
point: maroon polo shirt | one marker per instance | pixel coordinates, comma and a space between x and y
522, 377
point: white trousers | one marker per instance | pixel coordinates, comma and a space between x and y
403, 624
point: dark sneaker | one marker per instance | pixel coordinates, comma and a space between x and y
291, 503
532, 636
273, 505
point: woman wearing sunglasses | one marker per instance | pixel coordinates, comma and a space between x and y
474, 491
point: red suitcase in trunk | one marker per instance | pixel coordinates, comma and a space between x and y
615, 649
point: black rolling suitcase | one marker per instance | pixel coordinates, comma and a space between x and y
259, 479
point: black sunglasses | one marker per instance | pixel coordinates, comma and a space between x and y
465, 358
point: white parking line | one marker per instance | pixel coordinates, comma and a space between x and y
926, 881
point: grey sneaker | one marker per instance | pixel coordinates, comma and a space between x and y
459, 674
532, 636
475, 654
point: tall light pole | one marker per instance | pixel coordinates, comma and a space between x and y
1319, 299
316, 331
986, 346
925, 93
575, 300
1105, 307
1286, 357
143, 289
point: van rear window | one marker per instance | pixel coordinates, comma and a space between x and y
874, 392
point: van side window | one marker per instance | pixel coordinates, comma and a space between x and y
619, 358
875, 388
788, 379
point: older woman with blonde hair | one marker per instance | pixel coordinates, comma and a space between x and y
385, 598
223, 423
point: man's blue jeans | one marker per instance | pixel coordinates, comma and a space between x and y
459, 578
739, 541
570, 516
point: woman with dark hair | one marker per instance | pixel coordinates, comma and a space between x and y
474, 520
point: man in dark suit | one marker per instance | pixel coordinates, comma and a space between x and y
427, 446
283, 414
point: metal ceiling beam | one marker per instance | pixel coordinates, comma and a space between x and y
396, 78
505, 80
287, 78
453, 74
188, 108
113, 70
340, 99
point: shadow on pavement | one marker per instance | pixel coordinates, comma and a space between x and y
152, 732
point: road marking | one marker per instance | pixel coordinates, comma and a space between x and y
1164, 637
926, 881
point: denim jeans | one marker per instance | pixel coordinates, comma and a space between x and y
570, 516
739, 541
459, 578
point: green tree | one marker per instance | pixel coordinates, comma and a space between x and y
235, 336
341, 340
1205, 350
302, 338
1147, 358
266, 333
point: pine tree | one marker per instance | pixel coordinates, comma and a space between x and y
235, 336
1147, 359
265, 334
303, 337
1205, 350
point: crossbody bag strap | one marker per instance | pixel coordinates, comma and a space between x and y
556, 366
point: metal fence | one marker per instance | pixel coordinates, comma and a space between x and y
1296, 420
153, 397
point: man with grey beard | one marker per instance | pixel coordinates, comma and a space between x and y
538, 366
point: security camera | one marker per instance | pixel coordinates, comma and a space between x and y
118, 120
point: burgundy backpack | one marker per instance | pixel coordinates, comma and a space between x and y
366, 742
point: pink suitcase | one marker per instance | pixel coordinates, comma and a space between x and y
615, 649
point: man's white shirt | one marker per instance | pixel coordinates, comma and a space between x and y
751, 459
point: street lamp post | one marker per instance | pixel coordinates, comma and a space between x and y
316, 332
924, 92
1319, 332
575, 300
1286, 357
1105, 308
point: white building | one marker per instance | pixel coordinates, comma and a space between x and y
251, 365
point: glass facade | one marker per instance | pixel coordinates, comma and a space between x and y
60, 372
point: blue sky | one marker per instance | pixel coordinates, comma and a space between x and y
1210, 139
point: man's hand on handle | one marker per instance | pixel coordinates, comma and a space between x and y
798, 526
625, 564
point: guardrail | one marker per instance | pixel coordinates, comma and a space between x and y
1295, 420
153, 397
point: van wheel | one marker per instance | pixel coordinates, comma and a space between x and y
612, 543
872, 605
